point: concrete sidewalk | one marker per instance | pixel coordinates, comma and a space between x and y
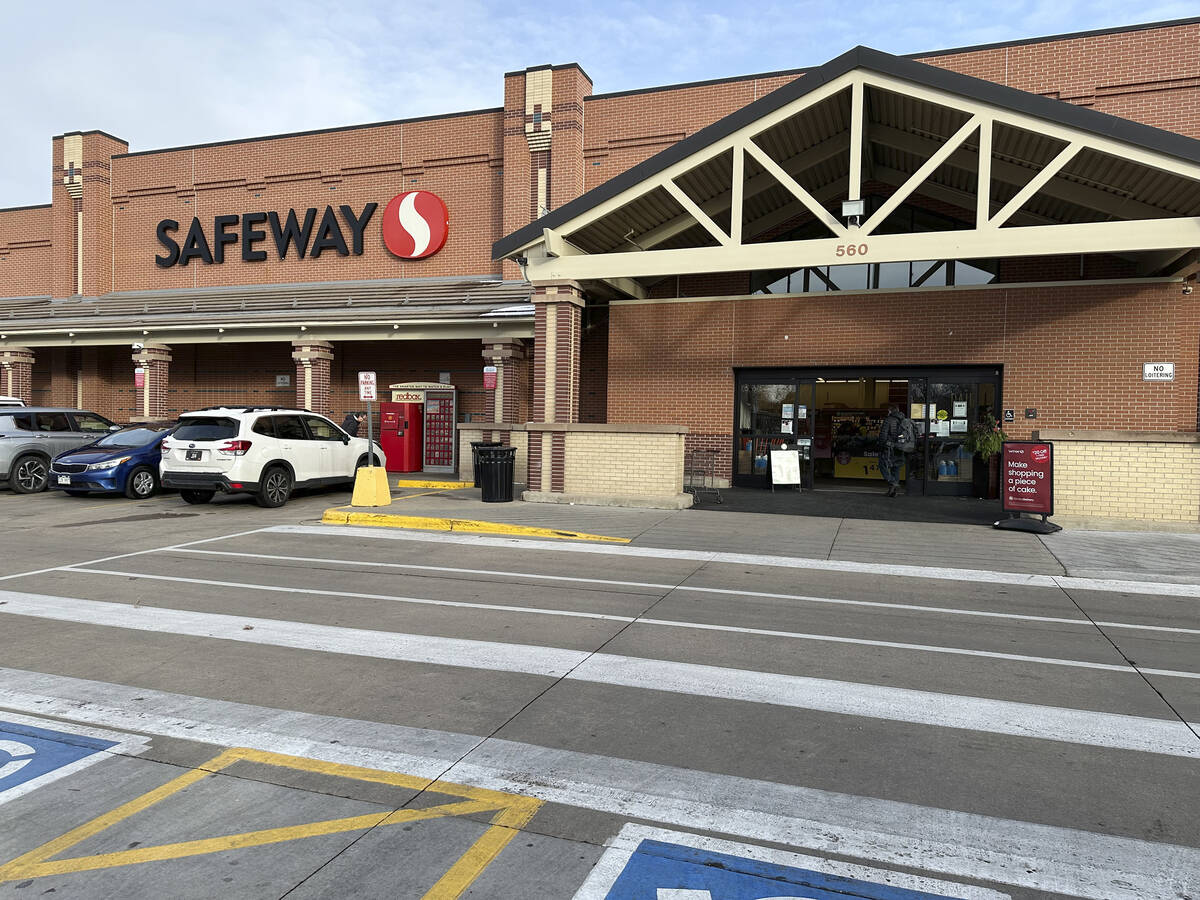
1118, 555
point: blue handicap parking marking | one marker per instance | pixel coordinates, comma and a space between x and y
28, 752
658, 870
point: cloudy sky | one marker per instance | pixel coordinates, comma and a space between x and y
164, 74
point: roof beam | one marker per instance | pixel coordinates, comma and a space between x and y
962, 199
1035, 184
1011, 173
794, 188
693, 209
926, 169
556, 246
1042, 240
805, 159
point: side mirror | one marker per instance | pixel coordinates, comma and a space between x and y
114, 427
345, 439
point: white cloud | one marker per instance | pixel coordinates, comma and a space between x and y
165, 75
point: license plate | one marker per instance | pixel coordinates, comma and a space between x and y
64, 479
193, 454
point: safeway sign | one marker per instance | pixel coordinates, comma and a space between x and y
366, 386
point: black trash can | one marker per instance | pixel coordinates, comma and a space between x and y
496, 473
475, 445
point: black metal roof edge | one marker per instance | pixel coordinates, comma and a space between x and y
91, 131
219, 290
4, 209
926, 54
295, 134
1035, 105
570, 65
1066, 36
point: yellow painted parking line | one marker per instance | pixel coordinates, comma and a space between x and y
473, 526
510, 813
440, 485
411, 496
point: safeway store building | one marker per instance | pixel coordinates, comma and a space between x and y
1005, 232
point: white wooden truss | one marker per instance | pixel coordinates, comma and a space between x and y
725, 238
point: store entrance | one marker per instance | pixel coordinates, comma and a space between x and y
833, 417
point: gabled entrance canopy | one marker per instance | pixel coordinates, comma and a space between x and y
763, 188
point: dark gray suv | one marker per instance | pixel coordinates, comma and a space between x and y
33, 435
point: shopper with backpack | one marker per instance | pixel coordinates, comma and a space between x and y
897, 436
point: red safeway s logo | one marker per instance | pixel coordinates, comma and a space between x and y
415, 224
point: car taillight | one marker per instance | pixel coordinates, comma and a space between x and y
164, 447
237, 448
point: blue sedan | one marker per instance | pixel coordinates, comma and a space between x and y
124, 461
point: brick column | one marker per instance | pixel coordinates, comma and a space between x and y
313, 359
16, 373
558, 328
508, 356
155, 361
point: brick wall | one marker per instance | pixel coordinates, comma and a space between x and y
25, 251
1127, 480
1074, 353
457, 157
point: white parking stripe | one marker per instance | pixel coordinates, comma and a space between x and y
1166, 736
92, 562
957, 844
670, 623
684, 588
790, 562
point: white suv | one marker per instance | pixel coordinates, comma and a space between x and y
264, 451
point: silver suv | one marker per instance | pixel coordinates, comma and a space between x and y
31, 436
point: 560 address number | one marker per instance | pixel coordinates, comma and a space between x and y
850, 250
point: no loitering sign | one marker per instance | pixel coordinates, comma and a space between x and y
1163, 371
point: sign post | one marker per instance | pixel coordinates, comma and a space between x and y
370, 482
1027, 485
367, 391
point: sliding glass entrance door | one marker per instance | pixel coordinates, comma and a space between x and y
773, 412
946, 408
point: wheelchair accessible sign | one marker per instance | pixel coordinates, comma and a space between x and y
32, 755
667, 865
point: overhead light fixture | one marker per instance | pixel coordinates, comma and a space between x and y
853, 211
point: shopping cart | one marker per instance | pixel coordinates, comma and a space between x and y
700, 475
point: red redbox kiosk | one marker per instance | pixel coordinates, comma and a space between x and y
417, 430
400, 435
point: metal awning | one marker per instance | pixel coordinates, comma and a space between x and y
1026, 175
448, 303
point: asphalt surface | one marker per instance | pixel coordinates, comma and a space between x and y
228, 700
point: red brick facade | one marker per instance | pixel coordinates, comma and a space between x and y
1069, 351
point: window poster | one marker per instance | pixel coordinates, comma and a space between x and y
916, 411
788, 410
942, 428
787, 426
958, 426
960, 409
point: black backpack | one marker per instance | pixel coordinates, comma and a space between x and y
906, 440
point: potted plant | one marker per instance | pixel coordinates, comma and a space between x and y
985, 440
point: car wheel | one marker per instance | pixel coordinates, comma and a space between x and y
362, 461
275, 488
196, 496
141, 483
29, 475
76, 493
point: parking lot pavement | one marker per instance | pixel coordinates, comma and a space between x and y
248, 699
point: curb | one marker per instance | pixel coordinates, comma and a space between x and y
433, 523
439, 485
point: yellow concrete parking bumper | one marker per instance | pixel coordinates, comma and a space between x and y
473, 526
